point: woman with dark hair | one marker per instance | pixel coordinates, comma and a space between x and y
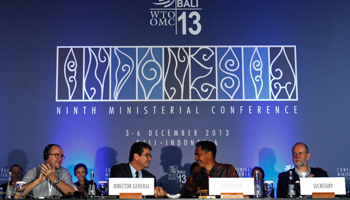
261, 173
80, 171
261, 179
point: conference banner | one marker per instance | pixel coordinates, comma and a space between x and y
254, 77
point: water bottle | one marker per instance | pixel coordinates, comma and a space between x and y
9, 188
257, 186
92, 189
291, 187
1, 193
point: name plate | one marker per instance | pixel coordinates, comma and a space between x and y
131, 185
334, 185
217, 186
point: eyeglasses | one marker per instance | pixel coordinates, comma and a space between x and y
147, 155
16, 173
58, 155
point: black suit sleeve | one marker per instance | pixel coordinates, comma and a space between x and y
282, 185
114, 172
4, 187
319, 172
120, 170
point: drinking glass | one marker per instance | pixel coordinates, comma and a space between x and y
20, 188
102, 187
268, 185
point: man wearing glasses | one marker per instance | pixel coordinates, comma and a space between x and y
17, 175
139, 159
50, 179
301, 155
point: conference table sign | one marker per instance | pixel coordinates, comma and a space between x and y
218, 186
131, 185
335, 185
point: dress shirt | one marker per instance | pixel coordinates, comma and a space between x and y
133, 172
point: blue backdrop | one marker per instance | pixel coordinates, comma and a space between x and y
254, 76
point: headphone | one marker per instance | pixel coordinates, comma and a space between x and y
47, 150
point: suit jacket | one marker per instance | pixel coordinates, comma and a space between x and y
283, 180
4, 187
123, 170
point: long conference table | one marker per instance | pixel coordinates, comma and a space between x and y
219, 198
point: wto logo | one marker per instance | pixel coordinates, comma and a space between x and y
288, 167
177, 73
183, 15
176, 174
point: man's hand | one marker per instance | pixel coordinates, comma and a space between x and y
159, 192
48, 171
198, 191
311, 175
16, 196
41, 178
30, 186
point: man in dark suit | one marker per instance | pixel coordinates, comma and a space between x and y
17, 175
139, 159
302, 169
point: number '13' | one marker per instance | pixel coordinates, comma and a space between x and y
196, 19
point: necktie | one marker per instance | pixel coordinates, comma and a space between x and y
137, 174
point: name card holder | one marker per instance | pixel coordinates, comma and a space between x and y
231, 187
203, 194
323, 195
231, 196
130, 196
131, 188
207, 197
323, 187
